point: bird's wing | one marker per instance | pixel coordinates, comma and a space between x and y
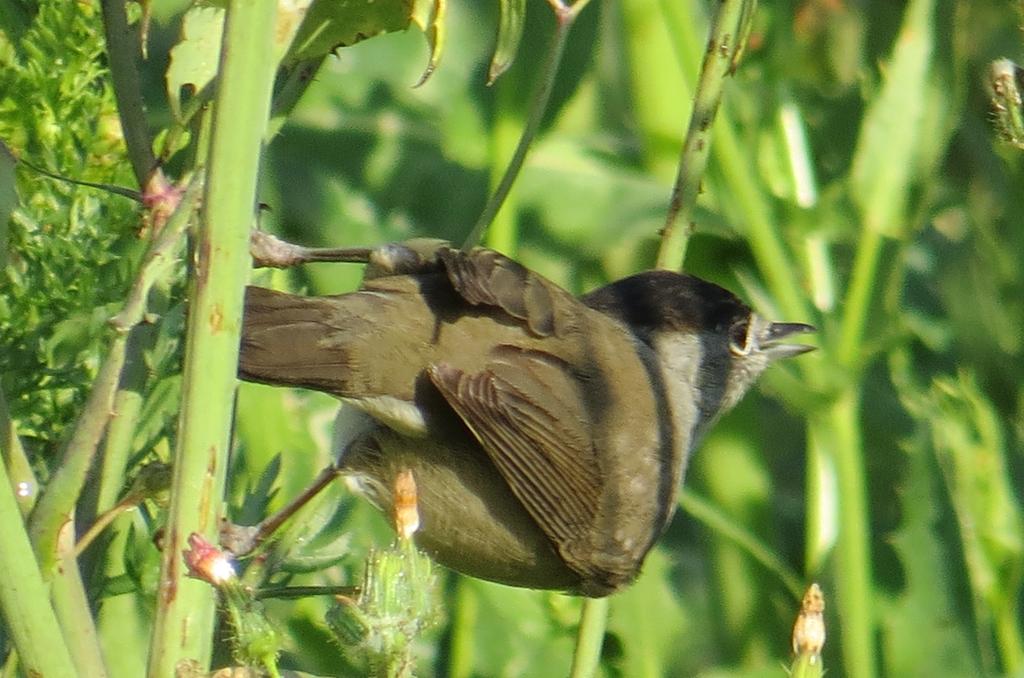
485, 277
529, 414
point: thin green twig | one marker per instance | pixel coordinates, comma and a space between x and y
706, 513
728, 34
565, 15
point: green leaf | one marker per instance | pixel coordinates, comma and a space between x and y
592, 205
968, 441
923, 633
958, 424
195, 58
330, 24
430, 16
161, 405
513, 631
510, 31
75, 335
648, 622
888, 156
271, 424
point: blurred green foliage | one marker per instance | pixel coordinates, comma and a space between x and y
69, 250
839, 121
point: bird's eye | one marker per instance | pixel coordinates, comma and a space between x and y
739, 337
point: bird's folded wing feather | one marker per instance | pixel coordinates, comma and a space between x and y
485, 277
527, 413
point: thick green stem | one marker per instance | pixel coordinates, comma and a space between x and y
723, 48
12, 456
71, 603
589, 638
853, 585
24, 600
185, 608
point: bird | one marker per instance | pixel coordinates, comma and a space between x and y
547, 434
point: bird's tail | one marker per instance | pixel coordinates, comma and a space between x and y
290, 340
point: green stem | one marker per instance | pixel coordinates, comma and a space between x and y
12, 456
589, 638
29, 621
293, 85
1008, 638
298, 592
71, 604
706, 513
840, 423
748, 198
185, 608
127, 406
465, 617
565, 16
102, 521
858, 299
502, 232
58, 500
723, 48
122, 50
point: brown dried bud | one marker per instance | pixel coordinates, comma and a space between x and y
809, 629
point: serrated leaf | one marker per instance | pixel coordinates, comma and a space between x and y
271, 423
330, 24
968, 442
510, 32
887, 158
924, 633
431, 16
289, 18
258, 496
960, 427
195, 58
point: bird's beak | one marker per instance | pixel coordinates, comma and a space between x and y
776, 332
